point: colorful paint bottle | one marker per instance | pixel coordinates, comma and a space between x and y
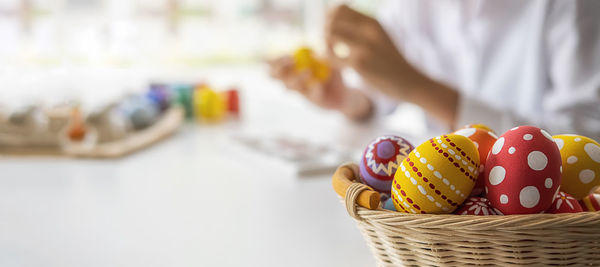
158, 93
209, 105
233, 101
182, 95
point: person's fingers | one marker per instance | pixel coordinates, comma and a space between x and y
344, 14
333, 58
346, 32
282, 67
299, 82
315, 93
346, 20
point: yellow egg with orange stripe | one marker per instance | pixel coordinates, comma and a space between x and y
437, 176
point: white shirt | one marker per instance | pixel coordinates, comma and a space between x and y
514, 62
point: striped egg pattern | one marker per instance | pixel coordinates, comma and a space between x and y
591, 202
437, 176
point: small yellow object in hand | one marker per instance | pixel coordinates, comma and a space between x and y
304, 59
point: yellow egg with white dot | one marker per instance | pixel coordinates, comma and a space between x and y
437, 176
580, 164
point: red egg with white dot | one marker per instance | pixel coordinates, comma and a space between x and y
523, 171
483, 141
476, 206
564, 203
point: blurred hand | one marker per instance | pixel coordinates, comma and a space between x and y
374, 56
372, 52
331, 94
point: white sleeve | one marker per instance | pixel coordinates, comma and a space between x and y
571, 104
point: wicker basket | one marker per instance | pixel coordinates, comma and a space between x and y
400, 239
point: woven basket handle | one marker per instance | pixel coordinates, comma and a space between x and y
344, 184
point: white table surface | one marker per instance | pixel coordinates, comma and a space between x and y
191, 200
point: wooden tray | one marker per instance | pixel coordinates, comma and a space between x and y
162, 128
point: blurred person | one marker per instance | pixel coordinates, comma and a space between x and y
501, 63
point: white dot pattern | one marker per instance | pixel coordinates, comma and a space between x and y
401, 200
497, 175
571, 159
587, 176
559, 142
527, 137
537, 160
498, 146
593, 151
546, 134
529, 197
466, 132
503, 199
421, 188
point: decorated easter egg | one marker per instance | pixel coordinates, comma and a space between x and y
437, 176
380, 160
479, 126
483, 140
580, 164
476, 206
523, 171
564, 203
591, 202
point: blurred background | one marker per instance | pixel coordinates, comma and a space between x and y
250, 191
157, 32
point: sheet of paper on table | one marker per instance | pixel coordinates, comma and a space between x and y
304, 157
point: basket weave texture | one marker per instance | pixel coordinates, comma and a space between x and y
400, 239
